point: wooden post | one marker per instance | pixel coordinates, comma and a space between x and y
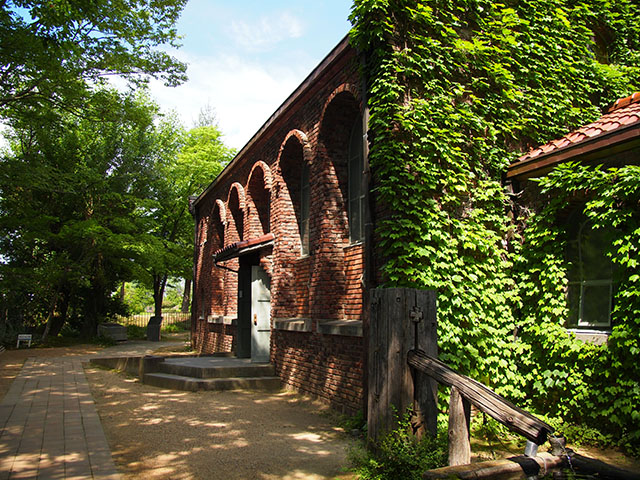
459, 421
400, 320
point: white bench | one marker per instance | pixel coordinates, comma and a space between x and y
24, 337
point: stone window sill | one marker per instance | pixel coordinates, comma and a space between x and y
350, 328
597, 337
293, 324
221, 320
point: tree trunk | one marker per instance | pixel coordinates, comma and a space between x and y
52, 308
186, 296
159, 283
63, 310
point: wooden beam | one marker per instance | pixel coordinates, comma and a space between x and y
483, 398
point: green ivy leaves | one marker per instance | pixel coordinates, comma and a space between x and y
457, 89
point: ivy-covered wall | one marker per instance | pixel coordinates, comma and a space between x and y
583, 382
458, 89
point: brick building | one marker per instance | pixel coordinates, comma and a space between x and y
280, 240
284, 256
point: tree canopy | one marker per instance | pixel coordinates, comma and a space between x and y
71, 193
53, 51
187, 163
89, 202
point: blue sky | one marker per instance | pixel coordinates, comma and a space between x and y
246, 57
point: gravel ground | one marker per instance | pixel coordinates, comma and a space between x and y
163, 434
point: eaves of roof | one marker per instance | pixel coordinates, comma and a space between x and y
242, 247
325, 65
620, 125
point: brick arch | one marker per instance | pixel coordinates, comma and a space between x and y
344, 89
304, 141
222, 209
241, 194
236, 203
266, 173
341, 110
217, 224
258, 200
294, 150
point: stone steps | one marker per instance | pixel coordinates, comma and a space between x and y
181, 382
259, 370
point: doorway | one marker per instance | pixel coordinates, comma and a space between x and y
254, 311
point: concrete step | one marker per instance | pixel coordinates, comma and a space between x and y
233, 371
181, 382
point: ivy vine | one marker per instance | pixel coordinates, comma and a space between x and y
457, 90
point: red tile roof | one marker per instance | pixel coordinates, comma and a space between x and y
625, 112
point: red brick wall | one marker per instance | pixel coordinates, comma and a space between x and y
326, 366
354, 267
261, 192
214, 337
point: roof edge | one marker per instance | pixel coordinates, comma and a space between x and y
338, 50
525, 168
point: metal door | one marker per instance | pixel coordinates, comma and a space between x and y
260, 314
243, 346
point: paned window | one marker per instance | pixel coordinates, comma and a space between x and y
304, 209
356, 190
591, 274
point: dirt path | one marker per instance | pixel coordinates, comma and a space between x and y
164, 434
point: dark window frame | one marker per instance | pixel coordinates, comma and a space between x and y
356, 191
590, 273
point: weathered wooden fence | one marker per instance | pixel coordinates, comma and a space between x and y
168, 318
404, 372
401, 319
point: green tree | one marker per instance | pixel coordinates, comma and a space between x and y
137, 297
54, 51
188, 162
72, 190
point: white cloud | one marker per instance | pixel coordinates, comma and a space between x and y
244, 94
267, 31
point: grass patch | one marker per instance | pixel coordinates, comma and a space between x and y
135, 332
176, 327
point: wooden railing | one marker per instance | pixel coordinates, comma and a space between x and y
403, 372
168, 318
465, 391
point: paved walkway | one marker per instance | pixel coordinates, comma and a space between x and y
49, 427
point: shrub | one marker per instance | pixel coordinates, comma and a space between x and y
399, 454
135, 332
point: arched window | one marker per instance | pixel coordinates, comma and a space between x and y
304, 208
591, 274
356, 190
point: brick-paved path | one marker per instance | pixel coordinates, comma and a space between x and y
49, 427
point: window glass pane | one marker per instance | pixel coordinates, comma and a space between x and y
594, 244
356, 167
305, 236
573, 300
590, 273
354, 220
596, 305
304, 209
